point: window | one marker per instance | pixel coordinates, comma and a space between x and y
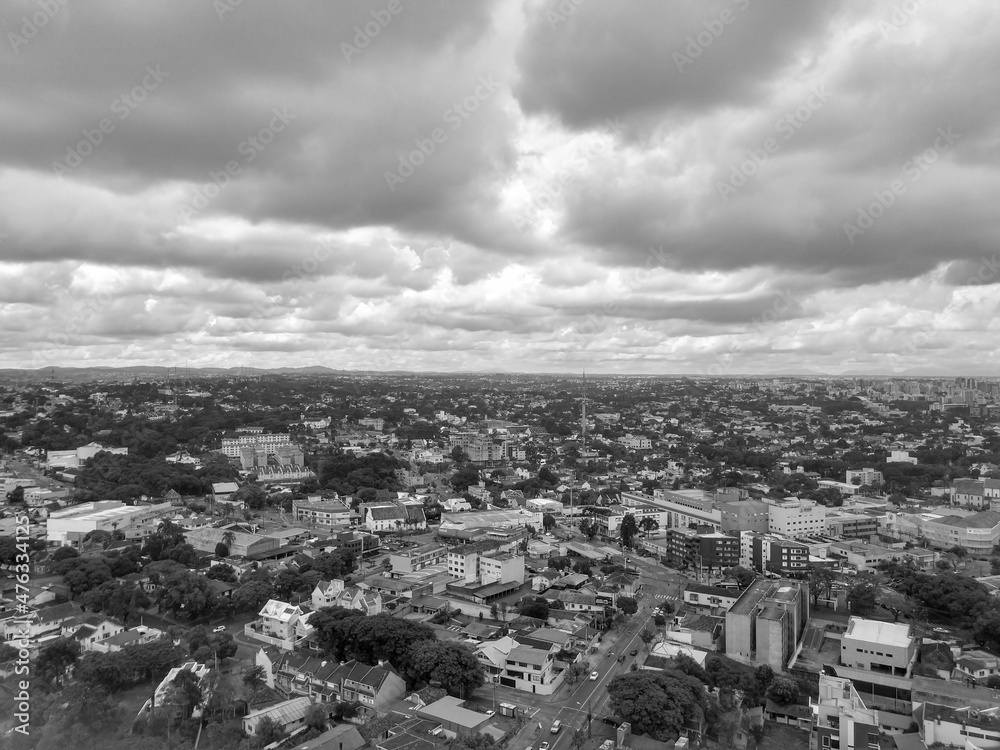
826, 740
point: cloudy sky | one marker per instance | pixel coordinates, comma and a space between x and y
661, 186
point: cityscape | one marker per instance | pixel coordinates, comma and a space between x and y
296, 560
499, 375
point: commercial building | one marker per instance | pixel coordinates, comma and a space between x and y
417, 558
975, 493
795, 518
241, 543
710, 599
766, 622
745, 515
978, 532
451, 523
875, 646
317, 511
681, 508
851, 525
79, 456
485, 562
68, 526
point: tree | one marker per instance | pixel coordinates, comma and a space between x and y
537, 608
659, 620
627, 604
861, 595
55, 658
783, 690
589, 528
16, 495
268, 731
582, 567
648, 524
254, 677
628, 530
821, 582
451, 665
337, 564
656, 703
548, 521
221, 550
316, 718
741, 575
224, 573
186, 592
764, 676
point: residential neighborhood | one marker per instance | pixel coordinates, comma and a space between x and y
760, 563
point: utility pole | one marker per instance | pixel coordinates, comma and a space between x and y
590, 716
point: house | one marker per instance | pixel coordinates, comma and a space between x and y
451, 714
977, 664
166, 685
373, 687
290, 715
522, 667
87, 631
280, 624
335, 594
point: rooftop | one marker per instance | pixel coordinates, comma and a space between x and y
883, 633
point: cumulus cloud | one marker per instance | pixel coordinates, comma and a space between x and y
716, 187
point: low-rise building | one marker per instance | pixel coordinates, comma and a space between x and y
878, 646
336, 594
281, 624
417, 558
318, 511
841, 719
289, 715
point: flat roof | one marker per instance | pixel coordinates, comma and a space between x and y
450, 709
883, 633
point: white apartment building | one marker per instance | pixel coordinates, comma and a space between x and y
864, 476
636, 443
795, 518
231, 447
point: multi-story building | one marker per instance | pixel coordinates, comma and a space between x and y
241, 543
680, 508
977, 532
745, 515
479, 447
709, 553
965, 726
635, 442
485, 562
261, 456
417, 558
232, 446
766, 622
863, 476
777, 554
358, 543
525, 668
877, 646
373, 423
281, 624
852, 525
841, 720
318, 511
79, 456
795, 518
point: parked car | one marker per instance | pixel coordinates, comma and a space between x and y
220, 629
556, 726
633, 652
544, 746
594, 675
610, 720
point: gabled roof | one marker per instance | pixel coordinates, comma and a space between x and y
279, 610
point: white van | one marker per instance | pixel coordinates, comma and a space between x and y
556, 726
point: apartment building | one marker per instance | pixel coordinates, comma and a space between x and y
795, 518
766, 622
875, 646
863, 476
775, 554
841, 720
479, 447
709, 553
851, 525
712, 600
231, 446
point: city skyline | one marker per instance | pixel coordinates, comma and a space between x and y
723, 188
